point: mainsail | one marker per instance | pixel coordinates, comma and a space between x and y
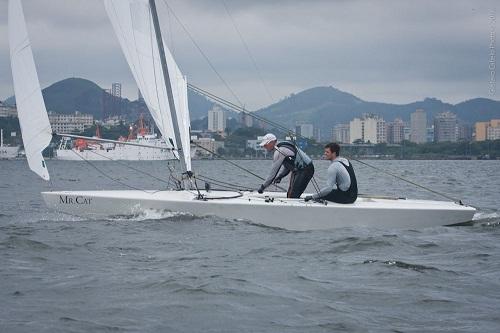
133, 25
35, 125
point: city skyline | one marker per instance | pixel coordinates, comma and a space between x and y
391, 52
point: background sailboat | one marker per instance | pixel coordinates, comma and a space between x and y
165, 92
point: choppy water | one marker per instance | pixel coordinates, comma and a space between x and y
176, 273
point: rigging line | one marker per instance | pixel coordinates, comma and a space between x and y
130, 167
315, 185
232, 163
266, 88
203, 178
238, 108
177, 182
224, 186
105, 175
203, 53
410, 182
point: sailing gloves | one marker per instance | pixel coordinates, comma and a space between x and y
277, 180
261, 189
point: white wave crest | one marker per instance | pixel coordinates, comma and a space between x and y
486, 216
150, 214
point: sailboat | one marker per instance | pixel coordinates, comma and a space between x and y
164, 90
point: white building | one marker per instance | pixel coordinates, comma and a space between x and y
445, 127
7, 111
369, 128
246, 120
395, 131
67, 123
340, 133
216, 120
493, 133
305, 130
418, 125
206, 146
255, 144
116, 89
112, 121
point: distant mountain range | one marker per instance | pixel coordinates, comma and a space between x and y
326, 106
321, 106
67, 96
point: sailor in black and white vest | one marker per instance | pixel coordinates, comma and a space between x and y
287, 158
342, 186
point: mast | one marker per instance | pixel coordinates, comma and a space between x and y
166, 78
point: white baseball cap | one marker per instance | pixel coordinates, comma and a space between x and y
269, 137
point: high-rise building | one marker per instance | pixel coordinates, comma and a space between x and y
305, 130
340, 133
116, 89
418, 126
407, 133
369, 129
216, 120
317, 134
395, 131
7, 110
445, 127
493, 133
246, 120
430, 134
486, 130
464, 132
139, 96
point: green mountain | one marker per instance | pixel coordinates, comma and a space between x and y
326, 106
70, 95
321, 106
77, 94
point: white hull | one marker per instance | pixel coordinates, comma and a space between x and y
292, 214
7, 152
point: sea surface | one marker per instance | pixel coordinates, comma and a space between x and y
168, 272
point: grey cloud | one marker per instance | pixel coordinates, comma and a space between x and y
396, 50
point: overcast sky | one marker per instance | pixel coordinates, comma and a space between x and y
387, 51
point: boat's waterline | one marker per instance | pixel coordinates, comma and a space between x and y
271, 209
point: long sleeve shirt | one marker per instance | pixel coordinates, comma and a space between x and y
280, 153
337, 178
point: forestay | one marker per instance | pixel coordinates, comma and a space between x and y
133, 25
33, 117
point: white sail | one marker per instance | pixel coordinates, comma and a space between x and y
133, 25
35, 126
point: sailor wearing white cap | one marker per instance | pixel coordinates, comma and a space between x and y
287, 158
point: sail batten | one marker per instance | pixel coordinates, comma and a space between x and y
133, 25
33, 118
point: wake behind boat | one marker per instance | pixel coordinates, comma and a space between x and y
164, 90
